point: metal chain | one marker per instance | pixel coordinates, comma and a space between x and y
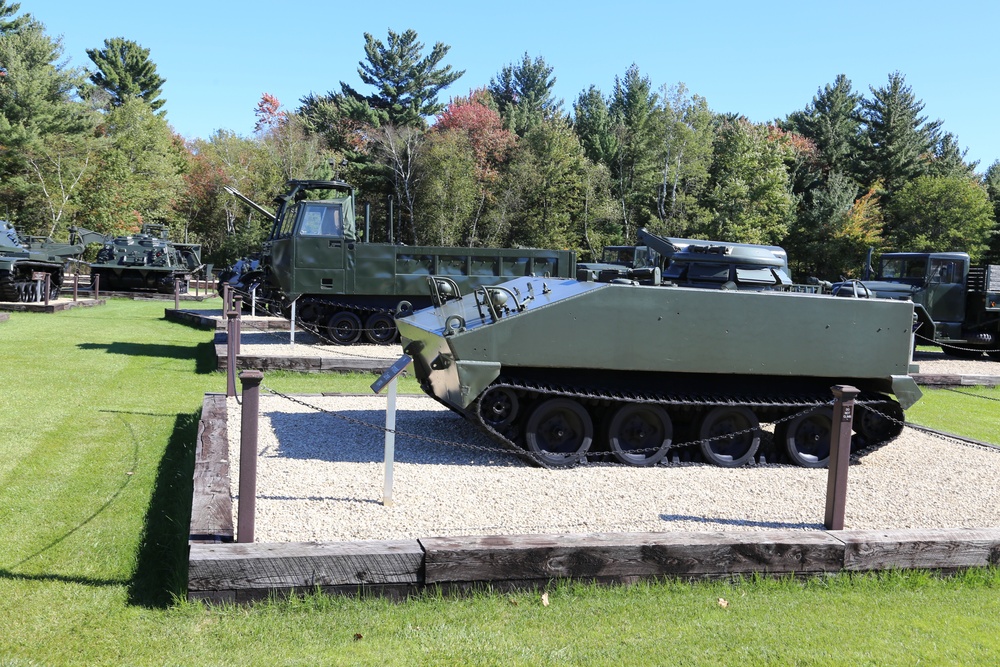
967, 393
342, 350
383, 429
266, 305
936, 434
507, 450
931, 341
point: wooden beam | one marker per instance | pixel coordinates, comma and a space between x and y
920, 548
303, 565
627, 556
211, 501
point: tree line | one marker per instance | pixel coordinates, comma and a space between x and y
504, 164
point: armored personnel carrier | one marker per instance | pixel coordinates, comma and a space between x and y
147, 261
559, 369
23, 263
346, 286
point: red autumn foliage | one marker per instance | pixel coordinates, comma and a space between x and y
268, 113
491, 143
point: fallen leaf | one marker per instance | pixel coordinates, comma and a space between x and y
357, 636
513, 601
723, 602
545, 599
130, 473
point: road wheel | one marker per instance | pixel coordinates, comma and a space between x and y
559, 432
499, 407
344, 328
720, 447
640, 434
807, 438
380, 329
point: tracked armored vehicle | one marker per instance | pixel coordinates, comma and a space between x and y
346, 287
561, 369
23, 263
147, 261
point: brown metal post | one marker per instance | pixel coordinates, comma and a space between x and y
230, 353
248, 455
48, 286
225, 298
177, 294
840, 455
97, 286
238, 309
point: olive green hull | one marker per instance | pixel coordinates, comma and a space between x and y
721, 337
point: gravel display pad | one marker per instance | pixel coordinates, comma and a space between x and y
320, 478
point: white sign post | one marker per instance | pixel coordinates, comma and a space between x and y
390, 377
291, 327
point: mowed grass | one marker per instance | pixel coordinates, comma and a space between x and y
98, 416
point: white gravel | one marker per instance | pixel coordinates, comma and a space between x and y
321, 478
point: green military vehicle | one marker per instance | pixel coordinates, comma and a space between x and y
316, 257
559, 369
147, 261
957, 305
23, 263
696, 263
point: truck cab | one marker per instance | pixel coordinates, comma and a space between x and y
956, 304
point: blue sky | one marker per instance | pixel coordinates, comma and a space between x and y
763, 60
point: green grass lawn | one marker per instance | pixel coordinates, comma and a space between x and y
98, 416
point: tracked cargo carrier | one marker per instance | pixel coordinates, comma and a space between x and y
561, 369
345, 286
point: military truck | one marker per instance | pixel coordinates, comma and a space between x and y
956, 305
22, 264
348, 287
147, 261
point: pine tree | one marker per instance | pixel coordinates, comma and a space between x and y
592, 122
833, 122
406, 82
899, 141
125, 71
10, 24
523, 93
636, 123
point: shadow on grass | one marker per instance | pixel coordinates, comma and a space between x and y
204, 353
161, 567
61, 578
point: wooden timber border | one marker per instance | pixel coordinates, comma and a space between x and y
53, 307
952, 380
222, 571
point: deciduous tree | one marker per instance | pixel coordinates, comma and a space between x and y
942, 213
139, 174
749, 192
